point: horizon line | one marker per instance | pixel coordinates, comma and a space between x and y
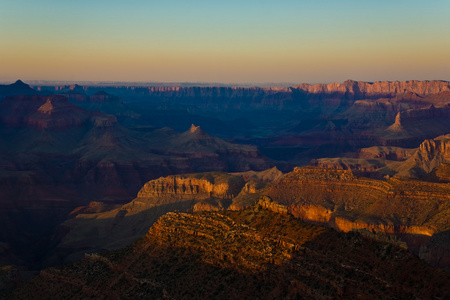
189, 83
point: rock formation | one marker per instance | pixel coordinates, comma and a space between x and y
119, 227
362, 90
433, 122
322, 195
48, 112
56, 156
412, 210
251, 254
385, 152
430, 155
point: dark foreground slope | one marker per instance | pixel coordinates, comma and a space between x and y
249, 254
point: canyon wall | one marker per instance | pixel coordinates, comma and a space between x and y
380, 89
395, 206
247, 254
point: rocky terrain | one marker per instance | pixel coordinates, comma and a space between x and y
352, 114
251, 254
431, 154
56, 156
379, 89
427, 162
412, 210
112, 229
73, 158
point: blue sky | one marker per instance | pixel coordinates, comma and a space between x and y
224, 41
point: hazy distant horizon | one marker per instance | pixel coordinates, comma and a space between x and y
182, 84
243, 42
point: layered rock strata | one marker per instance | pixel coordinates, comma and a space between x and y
411, 210
119, 227
345, 201
361, 89
251, 254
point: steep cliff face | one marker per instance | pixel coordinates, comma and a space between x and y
345, 201
119, 227
279, 98
430, 155
204, 186
362, 90
412, 210
251, 254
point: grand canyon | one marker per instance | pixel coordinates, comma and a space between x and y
317, 191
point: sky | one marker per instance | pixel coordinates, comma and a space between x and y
246, 41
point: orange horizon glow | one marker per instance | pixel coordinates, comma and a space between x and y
252, 46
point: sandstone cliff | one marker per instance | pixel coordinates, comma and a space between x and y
393, 206
412, 210
362, 90
119, 227
430, 155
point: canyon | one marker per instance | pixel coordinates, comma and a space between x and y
411, 210
86, 169
56, 156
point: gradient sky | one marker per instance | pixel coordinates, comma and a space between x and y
246, 41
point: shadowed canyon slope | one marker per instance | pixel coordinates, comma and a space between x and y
292, 125
119, 227
410, 209
56, 156
72, 156
251, 254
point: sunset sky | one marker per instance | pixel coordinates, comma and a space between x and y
246, 41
